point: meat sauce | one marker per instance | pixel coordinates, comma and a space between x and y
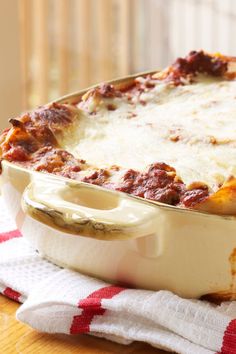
160, 183
196, 62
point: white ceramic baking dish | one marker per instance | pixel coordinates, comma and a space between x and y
122, 238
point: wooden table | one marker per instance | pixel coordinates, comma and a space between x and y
17, 338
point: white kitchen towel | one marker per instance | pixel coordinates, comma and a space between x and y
57, 300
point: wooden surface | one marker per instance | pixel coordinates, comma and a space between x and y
16, 337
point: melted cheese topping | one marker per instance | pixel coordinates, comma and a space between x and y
192, 128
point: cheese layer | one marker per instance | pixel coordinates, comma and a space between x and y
190, 127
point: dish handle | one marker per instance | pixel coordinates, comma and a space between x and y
87, 210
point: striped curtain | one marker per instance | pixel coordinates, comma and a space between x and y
67, 45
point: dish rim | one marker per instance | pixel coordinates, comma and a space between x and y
70, 181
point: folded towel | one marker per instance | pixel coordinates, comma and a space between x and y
57, 300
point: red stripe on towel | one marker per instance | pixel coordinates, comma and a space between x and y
5, 236
12, 294
91, 306
229, 339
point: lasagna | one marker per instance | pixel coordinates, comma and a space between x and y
169, 137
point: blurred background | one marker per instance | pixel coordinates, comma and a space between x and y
53, 47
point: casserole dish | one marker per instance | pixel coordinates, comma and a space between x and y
163, 234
